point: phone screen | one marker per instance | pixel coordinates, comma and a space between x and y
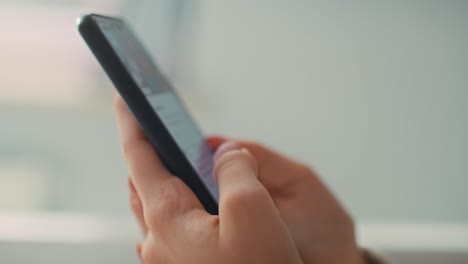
163, 100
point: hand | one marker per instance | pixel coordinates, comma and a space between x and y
249, 228
322, 230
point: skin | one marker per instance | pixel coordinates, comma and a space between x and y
272, 209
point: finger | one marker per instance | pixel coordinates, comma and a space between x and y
277, 172
146, 168
269, 163
274, 170
163, 195
259, 152
243, 199
137, 206
139, 247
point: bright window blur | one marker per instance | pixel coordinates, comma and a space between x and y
59, 149
54, 101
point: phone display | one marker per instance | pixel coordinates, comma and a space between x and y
160, 97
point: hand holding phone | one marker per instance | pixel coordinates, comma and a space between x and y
154, 103
248, 229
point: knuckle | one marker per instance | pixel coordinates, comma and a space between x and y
153, 214
171, 187
151, 251
163, 206
202, 229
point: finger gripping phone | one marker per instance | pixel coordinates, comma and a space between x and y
154, 103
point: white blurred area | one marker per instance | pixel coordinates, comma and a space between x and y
371, 94
45, 61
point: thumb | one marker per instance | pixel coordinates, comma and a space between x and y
235, 168
243, 199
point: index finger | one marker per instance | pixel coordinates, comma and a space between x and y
146, 169
163, 195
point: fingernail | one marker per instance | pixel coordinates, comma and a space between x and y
226, 147
138, 249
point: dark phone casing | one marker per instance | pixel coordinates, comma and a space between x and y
156, 132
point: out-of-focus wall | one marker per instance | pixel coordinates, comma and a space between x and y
372, 94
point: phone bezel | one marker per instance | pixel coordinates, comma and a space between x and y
156, 132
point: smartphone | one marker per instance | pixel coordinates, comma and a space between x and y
154, 103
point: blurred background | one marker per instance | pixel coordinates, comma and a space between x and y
372, 94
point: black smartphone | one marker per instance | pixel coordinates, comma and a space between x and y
154, 103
